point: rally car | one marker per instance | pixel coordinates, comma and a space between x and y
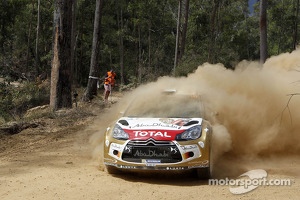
162, 135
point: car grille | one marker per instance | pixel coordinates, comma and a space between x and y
161, 151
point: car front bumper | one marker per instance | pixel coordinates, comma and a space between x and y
157, 155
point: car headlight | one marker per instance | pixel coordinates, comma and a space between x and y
190, 134
119, 133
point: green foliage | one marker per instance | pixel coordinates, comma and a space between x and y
133, 83
18, 36
6, 99
282, 18
14, 101
148, 31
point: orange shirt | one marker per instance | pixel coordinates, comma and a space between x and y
110, 79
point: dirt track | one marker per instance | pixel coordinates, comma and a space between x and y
61, 165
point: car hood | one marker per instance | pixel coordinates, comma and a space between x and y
156, 128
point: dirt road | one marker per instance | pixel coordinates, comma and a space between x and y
57, 163
255, 115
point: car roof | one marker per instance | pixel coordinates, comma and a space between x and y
168, 103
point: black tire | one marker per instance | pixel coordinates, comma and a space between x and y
203, 173
112, 170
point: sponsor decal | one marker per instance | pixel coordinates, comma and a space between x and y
150, 153
116, 146
181, 122
178, 122
151, 162
188, 147
166, 120
166, 135
151, 134
155, 124
198, 166
126, 167
175, 168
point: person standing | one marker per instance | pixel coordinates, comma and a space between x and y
109, 83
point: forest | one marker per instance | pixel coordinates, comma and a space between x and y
140, 40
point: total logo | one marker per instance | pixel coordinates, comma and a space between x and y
151, 134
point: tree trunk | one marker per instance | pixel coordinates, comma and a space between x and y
149, 46
211, 51
121, 45
60, 93
184, 28
140, 56
29, 36
37, 59
295, 40
94, 69
177, 37
263, 31
73, 42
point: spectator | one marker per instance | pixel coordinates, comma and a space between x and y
109, 83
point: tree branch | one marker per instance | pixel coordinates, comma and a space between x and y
287, 107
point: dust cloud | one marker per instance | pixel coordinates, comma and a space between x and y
254, 109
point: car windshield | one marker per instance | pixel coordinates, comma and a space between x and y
172, 106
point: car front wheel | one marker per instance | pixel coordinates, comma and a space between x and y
112, 170
203, 173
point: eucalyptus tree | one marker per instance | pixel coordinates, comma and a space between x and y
263, 31
181, 31
177, 51
94, 67
61, 76
121, 6
296, 22
84, 36
37, 59
186, 8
